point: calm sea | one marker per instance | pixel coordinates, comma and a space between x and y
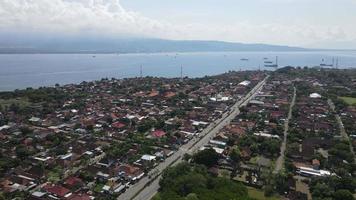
18, 71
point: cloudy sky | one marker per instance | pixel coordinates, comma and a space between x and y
307, 23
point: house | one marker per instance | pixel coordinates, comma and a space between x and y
73, 183
37, 195
80, 197
118, 125
35, 173
130, 172
148, 158
57, 191
245, 83
158, 133
315, 96
316, 164
307, 171
35, 120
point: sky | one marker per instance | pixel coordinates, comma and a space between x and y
304, 23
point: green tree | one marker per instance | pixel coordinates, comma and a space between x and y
22, 152
343, 195
280, 180
321, 191
207, 157
192, 196
235, 156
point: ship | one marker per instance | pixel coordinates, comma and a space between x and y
269, 63
323, 64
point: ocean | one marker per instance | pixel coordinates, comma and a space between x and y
19, 71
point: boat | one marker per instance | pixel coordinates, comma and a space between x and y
272, 65
323, 64
269, 63
326, 65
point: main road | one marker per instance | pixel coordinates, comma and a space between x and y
147, 187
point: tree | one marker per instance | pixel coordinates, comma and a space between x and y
321, 191
235, 156
2, 197
191, 182
25, 130
207, 157
343, 195
281, 182
22, 152
268, 190
192, 196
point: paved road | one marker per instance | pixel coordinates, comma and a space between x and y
342, 128
145, 189
280, 160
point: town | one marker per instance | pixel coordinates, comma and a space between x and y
284, 134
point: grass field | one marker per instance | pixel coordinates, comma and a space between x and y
22, 102
349, 100
259, 194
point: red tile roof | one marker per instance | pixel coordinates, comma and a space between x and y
72, 181
158, 133
118, 125
79, 197
56, 190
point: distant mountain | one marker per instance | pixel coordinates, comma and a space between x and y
99, 45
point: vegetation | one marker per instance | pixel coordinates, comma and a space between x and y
259, 194
333, 187
207, 157
349, 100
192, 182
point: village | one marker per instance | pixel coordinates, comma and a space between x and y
95, 140
99, 138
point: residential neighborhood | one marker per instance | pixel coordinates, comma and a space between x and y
96, 139
291, 138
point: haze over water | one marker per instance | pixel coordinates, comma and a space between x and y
19, 71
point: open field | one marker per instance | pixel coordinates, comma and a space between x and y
259, 194
349, 100
22, 102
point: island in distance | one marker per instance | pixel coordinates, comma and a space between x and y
58, 44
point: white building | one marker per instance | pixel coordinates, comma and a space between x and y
315, 96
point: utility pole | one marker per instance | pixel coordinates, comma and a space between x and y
181, 73
141, 74
337, 62
333, 62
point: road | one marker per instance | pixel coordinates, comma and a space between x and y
280, 160
342, 128
146, 188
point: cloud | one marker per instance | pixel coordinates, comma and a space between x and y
109, 18
74, 16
